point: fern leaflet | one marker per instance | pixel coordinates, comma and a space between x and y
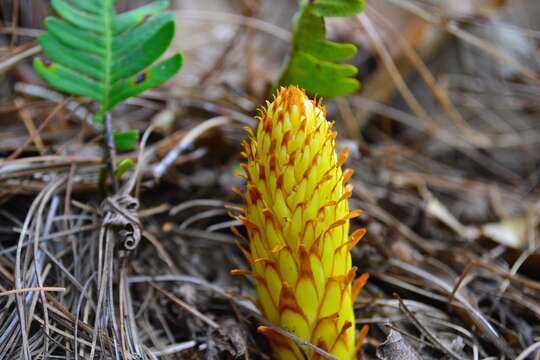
313, 62
105, 56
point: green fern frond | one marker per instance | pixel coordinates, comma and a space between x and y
313, 62
105, 56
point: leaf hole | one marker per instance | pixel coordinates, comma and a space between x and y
140, 78
46, 61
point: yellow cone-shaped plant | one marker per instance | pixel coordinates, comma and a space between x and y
297, 217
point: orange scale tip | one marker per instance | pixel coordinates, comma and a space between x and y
361, 338
337, 223
240, 174
351, 274
332, 318
346, 326
341, 279
347, 174
343, 332
244, 251
358, 285
347, 193
240, 272
266, 330
237, 192
247, 223
273, 335
321, 324
355, 237
328, 204
355, 213
342, 157
347, 278
291, 94
237, 233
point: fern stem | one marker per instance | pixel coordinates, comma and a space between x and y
110, 152
110, 157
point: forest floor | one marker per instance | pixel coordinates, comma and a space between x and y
444, 139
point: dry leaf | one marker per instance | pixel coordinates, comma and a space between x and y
396, 348
509, 232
